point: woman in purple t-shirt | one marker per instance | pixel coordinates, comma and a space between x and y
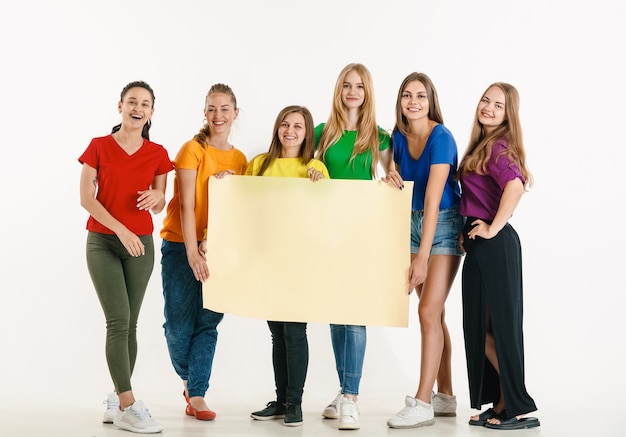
493, 177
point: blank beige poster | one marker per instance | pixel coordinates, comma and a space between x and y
289, 249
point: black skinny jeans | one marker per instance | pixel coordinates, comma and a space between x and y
290, 356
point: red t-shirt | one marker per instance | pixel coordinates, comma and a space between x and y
120, 176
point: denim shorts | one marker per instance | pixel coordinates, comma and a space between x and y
449, 228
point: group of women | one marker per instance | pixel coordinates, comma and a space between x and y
457, 210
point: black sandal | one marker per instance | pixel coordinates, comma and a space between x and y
484, 416
514, 423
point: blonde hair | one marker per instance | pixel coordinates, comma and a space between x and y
367, 137
479, 149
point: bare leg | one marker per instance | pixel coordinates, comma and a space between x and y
490, 353
436, 345
444, 377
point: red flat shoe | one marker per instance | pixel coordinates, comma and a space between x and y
188, 412
200, 415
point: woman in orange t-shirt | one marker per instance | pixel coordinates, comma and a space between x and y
191, 329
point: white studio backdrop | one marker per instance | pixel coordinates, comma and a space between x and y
64, 64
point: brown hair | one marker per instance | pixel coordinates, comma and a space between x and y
434, 111
307, 150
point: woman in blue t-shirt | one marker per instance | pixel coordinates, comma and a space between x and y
425, 152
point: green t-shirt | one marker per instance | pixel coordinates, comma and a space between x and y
337, 158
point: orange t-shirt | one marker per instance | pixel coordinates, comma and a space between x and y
207, 161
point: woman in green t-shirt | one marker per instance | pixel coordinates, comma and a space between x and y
352, 146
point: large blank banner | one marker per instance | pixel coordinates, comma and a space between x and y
289, 249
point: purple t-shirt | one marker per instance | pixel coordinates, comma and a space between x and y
480, 194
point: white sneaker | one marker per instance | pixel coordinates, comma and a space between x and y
113, 406
416, 413
136, 418
348, 414
332, 410
444, 405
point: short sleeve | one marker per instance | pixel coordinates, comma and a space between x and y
189, 156
90, 155
501, 168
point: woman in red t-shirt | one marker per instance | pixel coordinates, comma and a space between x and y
123, 178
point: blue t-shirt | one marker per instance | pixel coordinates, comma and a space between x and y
440, 148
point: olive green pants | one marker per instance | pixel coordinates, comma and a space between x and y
120, 281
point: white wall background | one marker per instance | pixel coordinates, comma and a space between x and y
65, 62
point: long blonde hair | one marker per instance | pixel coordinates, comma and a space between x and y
367, 137
478, 151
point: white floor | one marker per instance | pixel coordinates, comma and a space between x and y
53, 377
52, 420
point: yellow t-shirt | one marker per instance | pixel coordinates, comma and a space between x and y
207, 161
285, 167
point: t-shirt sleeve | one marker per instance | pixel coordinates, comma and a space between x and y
444, 149
244, 163
396, 141
90, 155
384, 138
249, 170
189, 156
319, 166
253, 166
165, 164
318, 134
500, 167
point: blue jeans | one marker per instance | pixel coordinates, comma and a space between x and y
349, 347
190, 329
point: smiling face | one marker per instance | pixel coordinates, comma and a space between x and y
220, 112
291, 134
136, 107
353, 90
491, 109
414, 101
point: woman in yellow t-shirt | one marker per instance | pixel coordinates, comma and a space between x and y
290, 155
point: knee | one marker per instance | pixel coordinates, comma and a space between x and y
430, 316
120, 324
175, 330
